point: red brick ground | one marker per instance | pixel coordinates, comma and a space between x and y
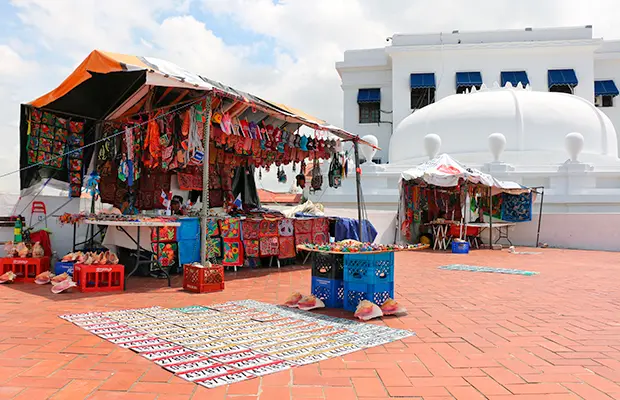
479, 335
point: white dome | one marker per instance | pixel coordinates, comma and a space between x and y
535, 125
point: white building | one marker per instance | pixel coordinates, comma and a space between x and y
383, 86
560, 132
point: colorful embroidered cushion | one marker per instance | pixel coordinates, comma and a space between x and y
268, 228
230, 228
213, 227
320, 238
233, 252
250, 229
303, 238
269, 246
168, 254
303, 225
285, 227
214, 247
164, 234
287, 247
252, 248
320, 225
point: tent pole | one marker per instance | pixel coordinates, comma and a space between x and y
490, 218
205, 180
358, 185
542, 199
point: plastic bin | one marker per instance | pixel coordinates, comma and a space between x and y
62, 267
203, 280
330, 291
460, 247
369, 268
356, 292
330, 266
99, 278
26, 269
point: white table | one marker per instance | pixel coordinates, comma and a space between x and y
501, 227
135, 236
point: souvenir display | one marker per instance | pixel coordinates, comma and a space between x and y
8, 277
351, 246
231, 342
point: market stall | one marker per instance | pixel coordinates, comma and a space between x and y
139, 132
442, 200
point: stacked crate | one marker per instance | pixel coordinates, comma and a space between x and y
368, 277
327, 283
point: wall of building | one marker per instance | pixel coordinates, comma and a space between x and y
490, 63
367, 69
604, 69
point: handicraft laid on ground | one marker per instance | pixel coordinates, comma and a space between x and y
232, 342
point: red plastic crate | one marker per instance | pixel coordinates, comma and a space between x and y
26, 269
203, 280
99, 278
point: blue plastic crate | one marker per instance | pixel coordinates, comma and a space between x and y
331, 291
189, 251
189, 229
369, 268
460, 247
356, 292
62, 267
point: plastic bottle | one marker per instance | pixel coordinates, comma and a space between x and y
17, 231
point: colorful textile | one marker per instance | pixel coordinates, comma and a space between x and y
252, 248
233, 252
287, 247
230, 228
151, 185
168, 254
474, 268
213, 228
189, 181
75, 142
268, 228
320, 237
285, 227
517, 208
250, 229
47, 139
483, 204
303, 225
320, 225
269, 246
164, 234
216, 198
214, 247
303, 238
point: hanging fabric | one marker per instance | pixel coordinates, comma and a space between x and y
335, 172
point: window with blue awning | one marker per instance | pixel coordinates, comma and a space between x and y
514, 77
468, 79
369, 96
559, 77
422, 81
605, 88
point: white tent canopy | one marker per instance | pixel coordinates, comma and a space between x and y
445, 171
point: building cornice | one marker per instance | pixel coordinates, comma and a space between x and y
588, 43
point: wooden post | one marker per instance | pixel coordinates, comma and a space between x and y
205, 180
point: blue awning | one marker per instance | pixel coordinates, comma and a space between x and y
562, 77
468, 79
605, 88
422, 81
514, 77
369, 96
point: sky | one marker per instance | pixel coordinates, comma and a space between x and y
282, 50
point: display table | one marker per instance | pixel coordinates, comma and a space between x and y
133, 231
501, 227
